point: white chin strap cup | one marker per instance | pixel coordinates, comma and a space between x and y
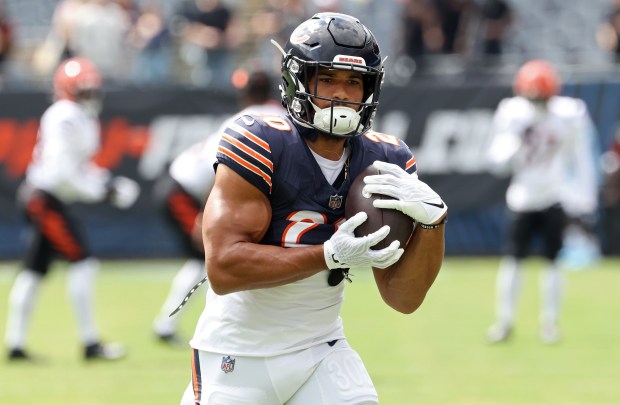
93, 106
337, 120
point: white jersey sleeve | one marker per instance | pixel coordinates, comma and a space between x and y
62, 160
193, 168
580, 194
509, 122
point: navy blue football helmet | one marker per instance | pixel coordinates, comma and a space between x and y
333, 41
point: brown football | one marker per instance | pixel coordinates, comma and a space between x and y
401, 225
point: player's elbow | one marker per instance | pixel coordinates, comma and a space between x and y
221, 280
409, 308
217, 286
406, 306
220, 284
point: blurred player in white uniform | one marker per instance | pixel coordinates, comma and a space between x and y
182, 195
544, 142
277, 246
61, 173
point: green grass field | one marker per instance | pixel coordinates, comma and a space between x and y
436, 356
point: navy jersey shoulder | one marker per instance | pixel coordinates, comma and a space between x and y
249, 145
270, 153
379, 146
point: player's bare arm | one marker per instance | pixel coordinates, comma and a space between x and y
236, 218
404, 285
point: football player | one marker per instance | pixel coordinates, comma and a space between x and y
543, 141
182, 194
274, 230
61, 173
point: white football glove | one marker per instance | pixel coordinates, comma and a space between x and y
124, 192
344, 250
413, 197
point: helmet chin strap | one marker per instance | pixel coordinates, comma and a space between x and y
338, 120
540, 110
93, 106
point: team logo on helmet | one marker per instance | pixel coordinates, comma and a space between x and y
228, 364
349, 59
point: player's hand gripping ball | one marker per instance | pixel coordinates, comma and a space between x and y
401, 225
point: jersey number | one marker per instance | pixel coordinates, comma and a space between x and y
276, 122
385, 138
302, 222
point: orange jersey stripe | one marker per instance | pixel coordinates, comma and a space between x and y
248, 150
246, 164
239, 129
196, 378
54, 229
410, 163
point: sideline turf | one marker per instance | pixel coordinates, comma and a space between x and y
437, 356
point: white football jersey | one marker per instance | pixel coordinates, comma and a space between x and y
62, 164
549, 153
193, 168
266, 322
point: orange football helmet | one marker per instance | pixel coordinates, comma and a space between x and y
76, 78
537, 79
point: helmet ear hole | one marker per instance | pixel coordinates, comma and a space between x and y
288, 85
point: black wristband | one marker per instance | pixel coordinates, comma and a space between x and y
433, 226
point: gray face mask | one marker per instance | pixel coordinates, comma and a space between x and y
90, 99
91, 105
540, 109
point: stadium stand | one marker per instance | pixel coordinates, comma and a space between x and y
563, 32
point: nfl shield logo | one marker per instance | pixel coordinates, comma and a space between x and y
335, 201
228, 364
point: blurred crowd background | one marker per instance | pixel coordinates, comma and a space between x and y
200, 42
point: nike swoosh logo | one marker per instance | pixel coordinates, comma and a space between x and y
435, 205
334, 258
